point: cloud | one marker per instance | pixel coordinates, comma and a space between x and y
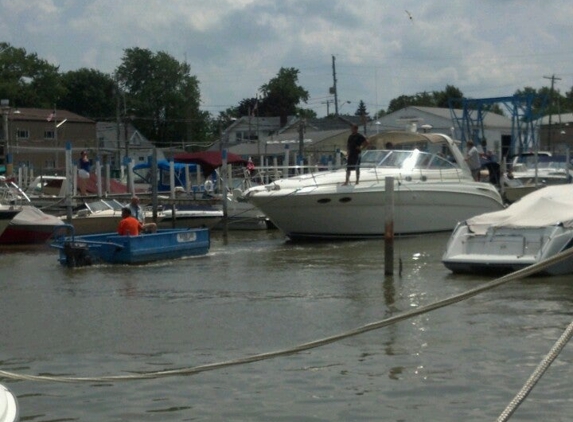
487, 48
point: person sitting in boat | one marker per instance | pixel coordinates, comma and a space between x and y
129, 225
138, 213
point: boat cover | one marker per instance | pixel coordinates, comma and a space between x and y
209, 160
549, 206
32, 216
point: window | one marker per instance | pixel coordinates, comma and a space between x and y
22, 134
245, 136
49, 164
49, 134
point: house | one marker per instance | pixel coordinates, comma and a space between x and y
497, 129
263, 139
37, 137
116, 141
556, 133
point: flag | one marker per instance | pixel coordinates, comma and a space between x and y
51, 116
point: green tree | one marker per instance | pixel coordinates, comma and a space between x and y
362, 111
443, 98
282, 95
161, 97
26, 80
89, 93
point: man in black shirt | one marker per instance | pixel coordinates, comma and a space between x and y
354, 146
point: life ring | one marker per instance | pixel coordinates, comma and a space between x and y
208, 185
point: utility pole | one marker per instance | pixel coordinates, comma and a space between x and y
334, 90
553, 79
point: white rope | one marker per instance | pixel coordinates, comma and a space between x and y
536, 376
305, 346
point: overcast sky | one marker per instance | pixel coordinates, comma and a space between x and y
486, 48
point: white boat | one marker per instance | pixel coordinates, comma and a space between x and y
433, 191
241, 214
9, 411
104, 215
96, 216
189, 218
541, 169
20, 222
529, 231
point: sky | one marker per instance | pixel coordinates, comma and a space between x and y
378, 49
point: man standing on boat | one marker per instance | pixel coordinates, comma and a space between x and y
354, 146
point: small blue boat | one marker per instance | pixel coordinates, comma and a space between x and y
112, 248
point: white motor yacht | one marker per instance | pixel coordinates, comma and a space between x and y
433, 190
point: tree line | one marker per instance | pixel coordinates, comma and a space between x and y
160, 96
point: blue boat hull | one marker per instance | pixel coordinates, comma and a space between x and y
112, 248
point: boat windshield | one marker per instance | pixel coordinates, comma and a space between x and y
405, 160
103, 205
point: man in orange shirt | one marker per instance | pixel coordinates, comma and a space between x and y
128, 226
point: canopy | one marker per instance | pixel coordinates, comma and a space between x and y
164, 165
209, 160
548, 206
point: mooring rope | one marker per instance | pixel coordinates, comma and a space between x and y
305, 346
536, 376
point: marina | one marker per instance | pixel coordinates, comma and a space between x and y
257, 293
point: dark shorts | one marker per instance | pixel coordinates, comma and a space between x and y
352, 162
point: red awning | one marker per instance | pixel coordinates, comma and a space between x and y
208, 160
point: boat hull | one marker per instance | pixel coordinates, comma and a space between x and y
26, 225
112, 248
507, 249
360, 211
9, 411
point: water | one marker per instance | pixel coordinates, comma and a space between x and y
259, 293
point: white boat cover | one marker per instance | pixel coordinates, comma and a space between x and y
544, 207
32, 216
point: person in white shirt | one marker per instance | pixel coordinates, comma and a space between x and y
473, 160
139, 214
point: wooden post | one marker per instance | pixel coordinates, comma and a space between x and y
389, 226
224, 192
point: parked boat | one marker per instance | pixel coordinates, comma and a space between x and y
21, 223
241, 215
96, 216
9, 411
433, 191
112, 248
533, 229
190, 218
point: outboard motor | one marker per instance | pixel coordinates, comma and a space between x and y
77, 255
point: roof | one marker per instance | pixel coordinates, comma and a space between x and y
46, 115
277, 144
209, 160
490, 119
557, 119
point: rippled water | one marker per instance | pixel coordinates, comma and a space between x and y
259, 293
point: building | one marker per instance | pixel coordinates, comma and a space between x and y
497, 129
37, 138
556, 133
263, 139
116, 141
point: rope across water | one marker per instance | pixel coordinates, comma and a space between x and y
304, 346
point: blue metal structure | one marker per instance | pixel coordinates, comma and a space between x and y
524, 119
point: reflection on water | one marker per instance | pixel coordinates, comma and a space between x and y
260, 293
